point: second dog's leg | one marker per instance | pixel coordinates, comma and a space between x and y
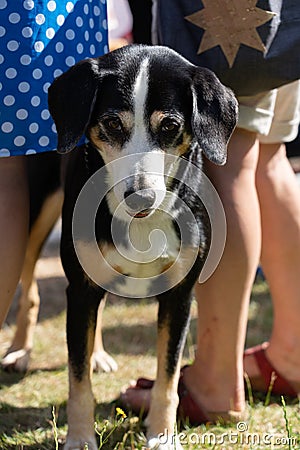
173, 318
101, 360
18, 355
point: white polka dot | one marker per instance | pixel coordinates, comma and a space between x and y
0, 86
28, 4
39, 46
57, 72
25, 60
19, 141
79, 21
51, 6
45, 114
33, 128
44, 141
4, 153
92, 50
79, 48
3, 4
60, 20
104, 24
22, 114
99, 36
2, 31
35, 101
7, 127
50, 33
11, 73
37, 74
86, 35
24, 87
27, 32
30, 152
103, 2
86, 9
105, 49
97, 11
40, 19
69, 7
13, 46
53, 128
70, 35
59, 47
46, 87
1, 59
14, 18
48, 60
70, 61
91, 23
9, 100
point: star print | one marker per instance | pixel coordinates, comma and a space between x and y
230, 23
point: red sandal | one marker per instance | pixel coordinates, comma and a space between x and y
269, 377
189, 410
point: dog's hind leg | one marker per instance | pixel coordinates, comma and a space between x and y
83, 303
18, 355
101, 360
173, 319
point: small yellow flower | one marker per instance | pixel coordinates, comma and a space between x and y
121, 413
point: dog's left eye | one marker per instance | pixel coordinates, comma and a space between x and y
113, 124
170, 126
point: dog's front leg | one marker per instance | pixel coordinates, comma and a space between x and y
81, 322
173, 319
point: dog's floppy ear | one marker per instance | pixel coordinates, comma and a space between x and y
215, 112
71, 99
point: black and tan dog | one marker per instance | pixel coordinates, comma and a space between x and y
148, 115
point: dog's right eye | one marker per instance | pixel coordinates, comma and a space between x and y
169, 125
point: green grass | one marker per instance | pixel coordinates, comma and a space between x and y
33, 406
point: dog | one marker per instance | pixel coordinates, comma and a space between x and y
148, 115
45, 179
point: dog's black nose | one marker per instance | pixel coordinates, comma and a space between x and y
139, 200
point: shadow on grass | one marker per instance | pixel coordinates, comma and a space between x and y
16, 423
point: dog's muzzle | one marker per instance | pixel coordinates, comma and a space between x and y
140, 202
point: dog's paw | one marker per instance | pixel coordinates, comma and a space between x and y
103, 362
75, 444
163, 443
16, 361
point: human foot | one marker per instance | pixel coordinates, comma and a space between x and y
264, 376
138, 396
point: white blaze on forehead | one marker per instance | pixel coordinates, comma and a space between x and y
142, 164
140, 91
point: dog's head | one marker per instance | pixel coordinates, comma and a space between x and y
146, 103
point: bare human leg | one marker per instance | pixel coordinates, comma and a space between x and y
14, 210
279, 198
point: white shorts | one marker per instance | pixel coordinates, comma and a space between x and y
273, 115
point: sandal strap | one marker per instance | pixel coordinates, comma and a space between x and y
270, 375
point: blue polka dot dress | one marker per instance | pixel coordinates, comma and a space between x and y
40, 39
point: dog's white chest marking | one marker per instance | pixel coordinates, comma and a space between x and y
150, 252
146, 251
